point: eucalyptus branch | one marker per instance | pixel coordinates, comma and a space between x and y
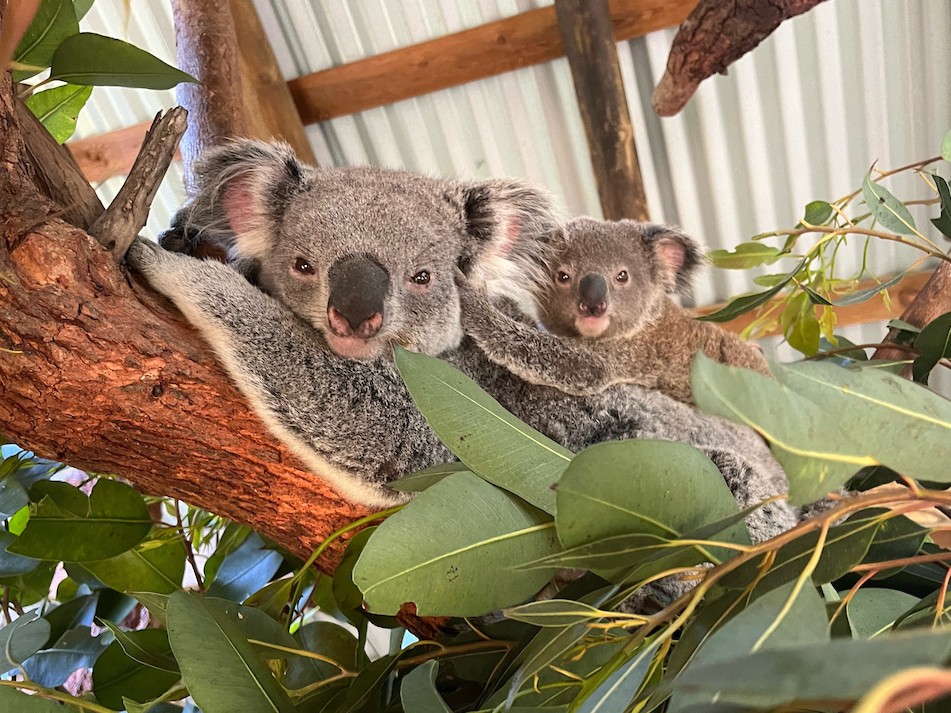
833, 231
43, 692
189, 550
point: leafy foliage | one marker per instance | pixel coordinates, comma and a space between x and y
78, 61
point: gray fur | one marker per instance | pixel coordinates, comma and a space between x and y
642, 337
352, 420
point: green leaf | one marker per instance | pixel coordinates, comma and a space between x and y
346, 594
816, 460
153, 651
221, 669
946, 147
897, 538
20, 639
488, 439
943, 221
418, 690
613, 691
747, 303
94, 60
245, 570
58, 108
459, 531
10, 564
839, 671
933, 345
327, 639
744, 256
779, 619
418, 482
157, 604
554, 612
815, 297
152, 566
896, 422
817, 213
76, 649
636, 487
887, 209
55, 20
69, 526
71, 614
873, 610
803, 336
14, 701
369, 682
854, 298
82, 7
117, 675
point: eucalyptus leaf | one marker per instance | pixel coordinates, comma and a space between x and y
747, 303
817, 213
887, 209
554, 612
943, 221
221, 669
872, 610
839, 671
488, 439
744, 256
816, 460
117, 675
153, 650
152, 566
14, 701
368, 685
245, 570
20, 639
616, 685
933, 345
94, 60
420, 480
330, 641
55, 20
864, 295
346, 594
69, 526
946, 147
82, 7
457, 532
57, 108
418, 690
10, 564
157, 604
69, 615
896, 422
75, 649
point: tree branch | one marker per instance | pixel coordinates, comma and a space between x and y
129, 210
714, 35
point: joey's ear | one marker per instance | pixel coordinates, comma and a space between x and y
677, 256
243, 187
508, 229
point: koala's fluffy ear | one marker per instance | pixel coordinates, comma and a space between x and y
678, 257
509, 229
242, 189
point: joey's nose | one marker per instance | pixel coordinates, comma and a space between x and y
593, 295
358, 288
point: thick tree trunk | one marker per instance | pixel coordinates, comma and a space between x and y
96, 372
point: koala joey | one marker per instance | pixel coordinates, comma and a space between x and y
608, 314
352, 261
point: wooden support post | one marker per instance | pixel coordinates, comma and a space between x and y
592, 53
270, 108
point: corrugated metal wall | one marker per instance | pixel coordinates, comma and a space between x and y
801, 118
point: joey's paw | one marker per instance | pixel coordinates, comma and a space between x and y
142, 254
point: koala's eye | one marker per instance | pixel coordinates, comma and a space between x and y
563, 277
422, 277
303, 266
622, 276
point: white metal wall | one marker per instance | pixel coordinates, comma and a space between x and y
801, 118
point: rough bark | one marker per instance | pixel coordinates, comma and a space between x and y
208, 50
714, 35
98, 373
591, 49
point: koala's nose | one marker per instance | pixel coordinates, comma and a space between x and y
593, 295
358, 288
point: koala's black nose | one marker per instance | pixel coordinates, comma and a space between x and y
358, 288
593, 295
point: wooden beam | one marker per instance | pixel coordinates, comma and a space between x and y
487, 50
591, 49
515, 42
902, 294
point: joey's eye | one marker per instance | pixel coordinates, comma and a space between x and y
622, 276
563, 277
303, 266
422, 278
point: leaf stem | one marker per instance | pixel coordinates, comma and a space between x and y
43, 692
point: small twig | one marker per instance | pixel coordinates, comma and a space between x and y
903, 562
875, 345
123, 219
189, 551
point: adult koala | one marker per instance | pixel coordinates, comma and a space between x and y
354, 260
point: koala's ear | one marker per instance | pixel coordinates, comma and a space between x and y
508, 229
677, 256
246, 185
